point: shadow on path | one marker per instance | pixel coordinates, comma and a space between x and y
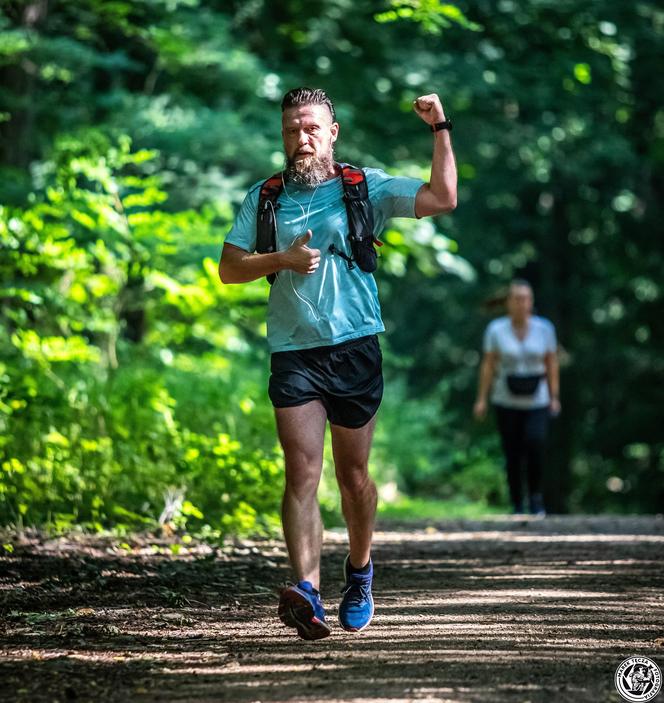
494, 610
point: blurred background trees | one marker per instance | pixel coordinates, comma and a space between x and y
129, 132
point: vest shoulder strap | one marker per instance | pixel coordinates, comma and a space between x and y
266, 214
354, 183
266, 217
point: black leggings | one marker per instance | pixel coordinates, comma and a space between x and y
523, 433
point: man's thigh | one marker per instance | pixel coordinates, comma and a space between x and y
301, 431
351, 446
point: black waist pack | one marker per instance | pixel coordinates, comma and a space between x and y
523, 385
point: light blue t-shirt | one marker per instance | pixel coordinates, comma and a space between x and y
334, 304
522, 357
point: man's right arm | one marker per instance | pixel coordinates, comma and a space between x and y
240, 266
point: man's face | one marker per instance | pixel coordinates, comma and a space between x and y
309, 135
520, 301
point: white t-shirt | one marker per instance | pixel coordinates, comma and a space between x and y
520, 357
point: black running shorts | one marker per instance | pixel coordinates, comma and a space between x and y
347, 378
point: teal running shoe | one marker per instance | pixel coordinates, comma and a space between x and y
357, 605
300, 606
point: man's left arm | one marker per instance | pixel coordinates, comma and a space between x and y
440, 194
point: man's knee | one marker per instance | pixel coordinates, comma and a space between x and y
354, 479
302, 478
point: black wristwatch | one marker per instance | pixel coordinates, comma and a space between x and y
447, 124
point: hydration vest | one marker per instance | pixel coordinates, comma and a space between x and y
358, 209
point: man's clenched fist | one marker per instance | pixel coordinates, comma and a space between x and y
429, 108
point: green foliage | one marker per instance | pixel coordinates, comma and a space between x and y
97, 427
432, 15
127, 372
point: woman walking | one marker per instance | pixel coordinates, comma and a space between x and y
520, 368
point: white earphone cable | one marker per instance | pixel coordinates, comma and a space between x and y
306, 215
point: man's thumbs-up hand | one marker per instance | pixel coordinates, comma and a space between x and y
300, 258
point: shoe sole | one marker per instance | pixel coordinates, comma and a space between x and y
355, 629
296, 611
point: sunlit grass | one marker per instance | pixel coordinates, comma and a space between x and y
407, 508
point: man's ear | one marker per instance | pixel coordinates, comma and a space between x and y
334, 129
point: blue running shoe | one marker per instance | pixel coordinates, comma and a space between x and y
300, 607
357, 605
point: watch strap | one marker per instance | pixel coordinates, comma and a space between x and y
447, 124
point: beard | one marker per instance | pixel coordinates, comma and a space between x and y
311, 170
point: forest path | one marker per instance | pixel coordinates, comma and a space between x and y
507, 609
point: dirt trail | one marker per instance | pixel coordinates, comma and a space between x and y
491, 611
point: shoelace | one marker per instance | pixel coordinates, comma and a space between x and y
358, 592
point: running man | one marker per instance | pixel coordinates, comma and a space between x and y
323, 318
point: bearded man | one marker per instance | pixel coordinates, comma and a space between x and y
322, 324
